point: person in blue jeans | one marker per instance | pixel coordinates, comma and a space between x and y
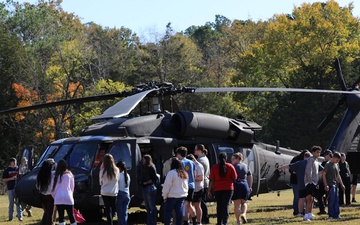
9, 177
147, 179
331, 177
174, 192
123, 197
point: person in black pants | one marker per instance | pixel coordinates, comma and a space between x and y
327, 154
345, 177
353, 187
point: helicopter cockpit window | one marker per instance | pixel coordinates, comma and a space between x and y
60, 154
48, 151
228, 150
250, 159
82, 155
122, 151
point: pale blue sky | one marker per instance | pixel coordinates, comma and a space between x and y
144, 16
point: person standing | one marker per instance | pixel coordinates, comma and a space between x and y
24, 169
43, 184
299, 168
199, 187
189, 166
63, 192
345, 177
200, 151
242, 187
331, 178
294, 184
327, 154
353, 187
311, 181
123, 197
147, 180
109, 178
174, 191
9, 177
222, 177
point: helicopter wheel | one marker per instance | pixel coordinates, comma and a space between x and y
93, 215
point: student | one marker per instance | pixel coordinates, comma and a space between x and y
109, 178
99, 156
23, 169
331, 178
311, 181
174, 192
147, 178
353, 187
242, 187
62, 191
327, 154
200, 151
299, 168
9, 177
199, 188
123, 197
222, 177
345, 177
43, 184
189, 166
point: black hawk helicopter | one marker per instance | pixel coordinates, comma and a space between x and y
158, 133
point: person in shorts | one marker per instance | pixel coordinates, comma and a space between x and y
199, 188
311, 181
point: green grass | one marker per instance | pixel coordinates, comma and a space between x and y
264, 209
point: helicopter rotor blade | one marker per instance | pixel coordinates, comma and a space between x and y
331, 114
65, 102
260, 89
340, 75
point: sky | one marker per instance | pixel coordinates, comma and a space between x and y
144, 16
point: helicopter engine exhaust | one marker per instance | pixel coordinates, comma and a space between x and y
189, 124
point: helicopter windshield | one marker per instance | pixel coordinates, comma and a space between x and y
48, 151
82, 155
122, 151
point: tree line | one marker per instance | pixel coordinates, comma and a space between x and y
47, 54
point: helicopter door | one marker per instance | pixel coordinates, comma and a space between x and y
25, 162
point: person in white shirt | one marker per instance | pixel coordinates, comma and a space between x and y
109, 178
174, 192
62, 191
123, 197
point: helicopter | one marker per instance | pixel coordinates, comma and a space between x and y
159, 131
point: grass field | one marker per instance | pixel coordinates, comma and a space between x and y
264, 209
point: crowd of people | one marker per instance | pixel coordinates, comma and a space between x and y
188, 184
327, 182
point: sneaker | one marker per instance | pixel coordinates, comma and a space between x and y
353, 200
299, 215
322, 212
243, 218
238, 223
330, 218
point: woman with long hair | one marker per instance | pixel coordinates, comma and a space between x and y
147, 180
222, 177
174, 192
62, 192
242, 187
109, 178
123, 197
43, 184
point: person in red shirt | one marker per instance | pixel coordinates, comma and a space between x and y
222, 177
